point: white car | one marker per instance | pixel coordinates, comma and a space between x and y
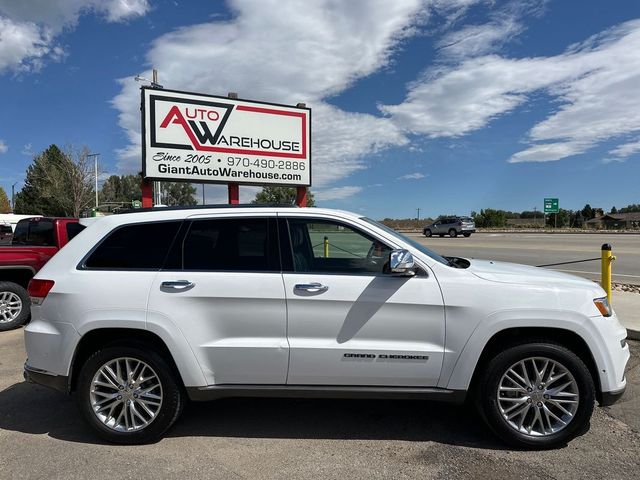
144, 310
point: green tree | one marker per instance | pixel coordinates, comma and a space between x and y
281, 195
5, 206
489, 217
563, 218
126, 188
630, 208
57, 183
587, 212
34, 198
614, 209
123, 189
178, 193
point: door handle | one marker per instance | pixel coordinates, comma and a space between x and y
311, 287
177, 284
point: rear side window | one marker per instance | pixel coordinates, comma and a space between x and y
141, 246
239, 244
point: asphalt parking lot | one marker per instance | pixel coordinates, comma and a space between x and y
42, 436
542, 249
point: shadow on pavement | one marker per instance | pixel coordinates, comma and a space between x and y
33, 409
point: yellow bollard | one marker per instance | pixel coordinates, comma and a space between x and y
326, 247
607, 260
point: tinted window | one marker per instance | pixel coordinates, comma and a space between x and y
240, 244
74, 229
34, 232
324, 246
6, 229
142, 246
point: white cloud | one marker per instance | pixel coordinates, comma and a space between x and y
278, 51
595, 84
29, 28
336, 193
27, 150
626, 149
3, 147
412, 176
622, 152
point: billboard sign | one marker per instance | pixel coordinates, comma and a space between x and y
551, 205
208, 139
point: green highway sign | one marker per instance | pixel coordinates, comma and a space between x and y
551, 205
136, 204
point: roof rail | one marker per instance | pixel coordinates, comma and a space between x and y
200, 207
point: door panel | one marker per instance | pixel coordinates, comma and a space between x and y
348, 322
234, 322
231, 305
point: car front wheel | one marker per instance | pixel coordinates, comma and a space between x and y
537, 395
427, 233
129, 394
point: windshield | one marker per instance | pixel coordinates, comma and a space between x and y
410, 241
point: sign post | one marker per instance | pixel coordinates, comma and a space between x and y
198, 138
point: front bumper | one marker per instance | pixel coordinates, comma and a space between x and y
47, 379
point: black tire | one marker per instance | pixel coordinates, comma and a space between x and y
500, 364
427, 232
173, 396
25, 311
453, 233
467, 235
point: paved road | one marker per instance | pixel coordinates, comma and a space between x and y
42, 436
540, 249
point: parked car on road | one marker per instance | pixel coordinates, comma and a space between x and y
146, 309
34, 242
452, 226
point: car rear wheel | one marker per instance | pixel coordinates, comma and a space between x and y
467, 235
453, 233
537, 395
129, 394
427, 233
14, 306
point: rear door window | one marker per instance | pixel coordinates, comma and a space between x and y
234, 244
140, 246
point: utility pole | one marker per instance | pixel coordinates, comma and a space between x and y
418, 213
13, 197
95, 167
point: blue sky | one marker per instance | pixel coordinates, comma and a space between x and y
447, 106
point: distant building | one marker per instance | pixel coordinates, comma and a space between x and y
614, 221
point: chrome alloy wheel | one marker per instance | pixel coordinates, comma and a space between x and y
10, 306
538, 396
126, 394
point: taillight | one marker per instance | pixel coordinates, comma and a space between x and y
39, 289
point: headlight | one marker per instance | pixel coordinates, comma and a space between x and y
602, 304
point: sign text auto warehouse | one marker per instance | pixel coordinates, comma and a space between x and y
201, 138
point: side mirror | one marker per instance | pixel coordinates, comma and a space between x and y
401, 261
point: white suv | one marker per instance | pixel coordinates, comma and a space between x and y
142, 310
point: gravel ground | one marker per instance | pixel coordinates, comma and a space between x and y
42, 436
